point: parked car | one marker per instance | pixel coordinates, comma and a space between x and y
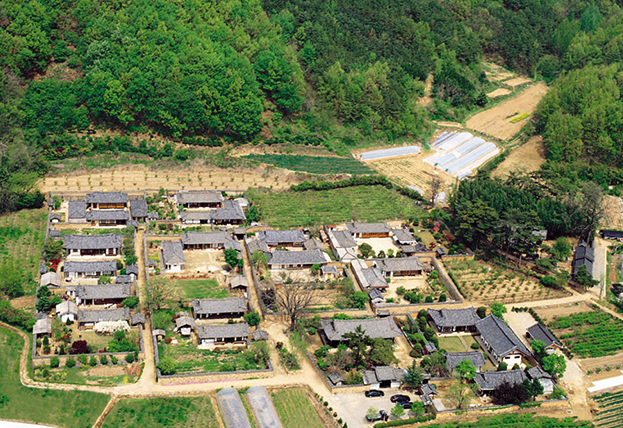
399, 398
382, 416
405, 404
374, 393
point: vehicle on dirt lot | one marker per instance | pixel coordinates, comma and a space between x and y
374, 393
405, 404
399, 398
382, 416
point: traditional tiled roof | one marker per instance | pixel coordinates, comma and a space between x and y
238, 281
137, 319
329, 269
454, 317
344, 239
151, 262
403, 236
453, 359
102, 292
305, 257
117, 314
107, 198
408, 249
199, 197
138, 208
584, 255
375, 294
43, 326
51, 278
223, 331
282, 237
131, 269
159, 332
99, 215
336, 378
194, 216
500, 337
231, 211
173, 253
429, 389
385, 328
383, 374
399, 264
538, 373
43, 268
87, 267
367, 228
230, 305
313, 244
260, 335
55, 233
76, 209
153, 215
123, 279
374, 278
92, 242
219, 238
184, 321
430, 347
255, 244
66, 307
490, 380
539, 332
55, 216
612, 234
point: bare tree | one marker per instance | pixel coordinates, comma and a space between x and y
294, 298
435, 189
161, 292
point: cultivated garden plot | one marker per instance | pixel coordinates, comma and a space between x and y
295, 409
528, 157
486, 283
313, 164
610, 409
102, 370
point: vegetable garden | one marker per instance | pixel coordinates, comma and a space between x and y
314, 164
517, 421
589, 334
610, 409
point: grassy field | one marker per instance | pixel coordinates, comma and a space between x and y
295, 410
157, 412
452, 344
516, 421
22, 235
68, 409
314, 164
201, 289
362, 203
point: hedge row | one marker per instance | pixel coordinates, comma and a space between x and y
401, 422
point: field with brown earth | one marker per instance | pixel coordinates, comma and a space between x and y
498, 93
286, 149
496, 120
528, 157
497, 74
517, 81
614, 213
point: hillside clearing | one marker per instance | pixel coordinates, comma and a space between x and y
527, 158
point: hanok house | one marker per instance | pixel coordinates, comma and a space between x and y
223, 333
138, 319
108, 217
451, 320
93, 245
132, 270
403, 237
453, 359
138, 209
369, 230
313, 244
42, 326
233, 307
107, 200
612, 234
584, 256
329, 273
501, 343
67, 311
546, 379
368, 278
87, 319
51, 279
76, 270
238, 282
384, 377
231, 213
217, 240
55, 218
490, 380
376, 297
283, 238
77, 212
184, 325
101, 294
200, 199
304, 259
333, 331
173, 258
539, 332
404, 266
342, 244
336, 378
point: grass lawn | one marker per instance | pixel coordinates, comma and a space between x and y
156, 412
68, 409
362, 203
295, 410
22, 235
201, 289
314, 164
451, 344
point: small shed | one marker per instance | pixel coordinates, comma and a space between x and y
51, 279
184, 325
260, 335
336, 378
43, 326
137, 319
67, 310
376, 296
159, 334
329, 273
55, 218
238, 282
152, 216
55, 233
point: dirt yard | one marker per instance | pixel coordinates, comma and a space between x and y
614, 212
498, 93
496, 120
528, 157
517, 81
205, 261
549, 312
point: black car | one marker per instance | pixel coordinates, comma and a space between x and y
399, 398
375, 393
380, 417
405, 404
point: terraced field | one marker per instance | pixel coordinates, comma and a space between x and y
610, 410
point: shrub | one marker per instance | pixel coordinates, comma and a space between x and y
55, 362
429, 299
443, 297
130, 302
252, 318
83, 359
475, 345
103, 359
93, 361
113, 359
80, 347
401, 291
167, 366
70, 362
129, 358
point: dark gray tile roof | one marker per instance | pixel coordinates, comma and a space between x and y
226, 331
238, 281
184, 321
375, 294
429, 389
43, 326
153, 215
329, 269
336, 378
260, 335
538, 373
137, 319
500, 337
230, 305
129, 269
490, 379
98, 215
454, 317
76, 209
344, 239
54, 233
98, 266
123, 279
107, 198
539, 332
231, 211
385, 328
403, 236
55, 216
584, 255
408, 249
612, 234
117, 314
282, 237
138, 208
374, 278
92, 242
100, 292
453, 359
219, 237
187, 216
305, 257
399, 264
430, 347
313, 244
365, 228
384, 374
151, 262
67, 307
199, 197
173, 253
43, 268
255, 244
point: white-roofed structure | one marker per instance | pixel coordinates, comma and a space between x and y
389, 153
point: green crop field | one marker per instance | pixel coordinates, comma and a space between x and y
201, 289
314, 164
295, 410
610, 410
22, 235
589, 334
517, 421
68, 409
158, 412
316, 207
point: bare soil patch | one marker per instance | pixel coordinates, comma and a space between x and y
24, 302
498, 93
614, 212
496, 120
549, 312
450, 124
528, 157
106, 371
517, 81
289, 149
